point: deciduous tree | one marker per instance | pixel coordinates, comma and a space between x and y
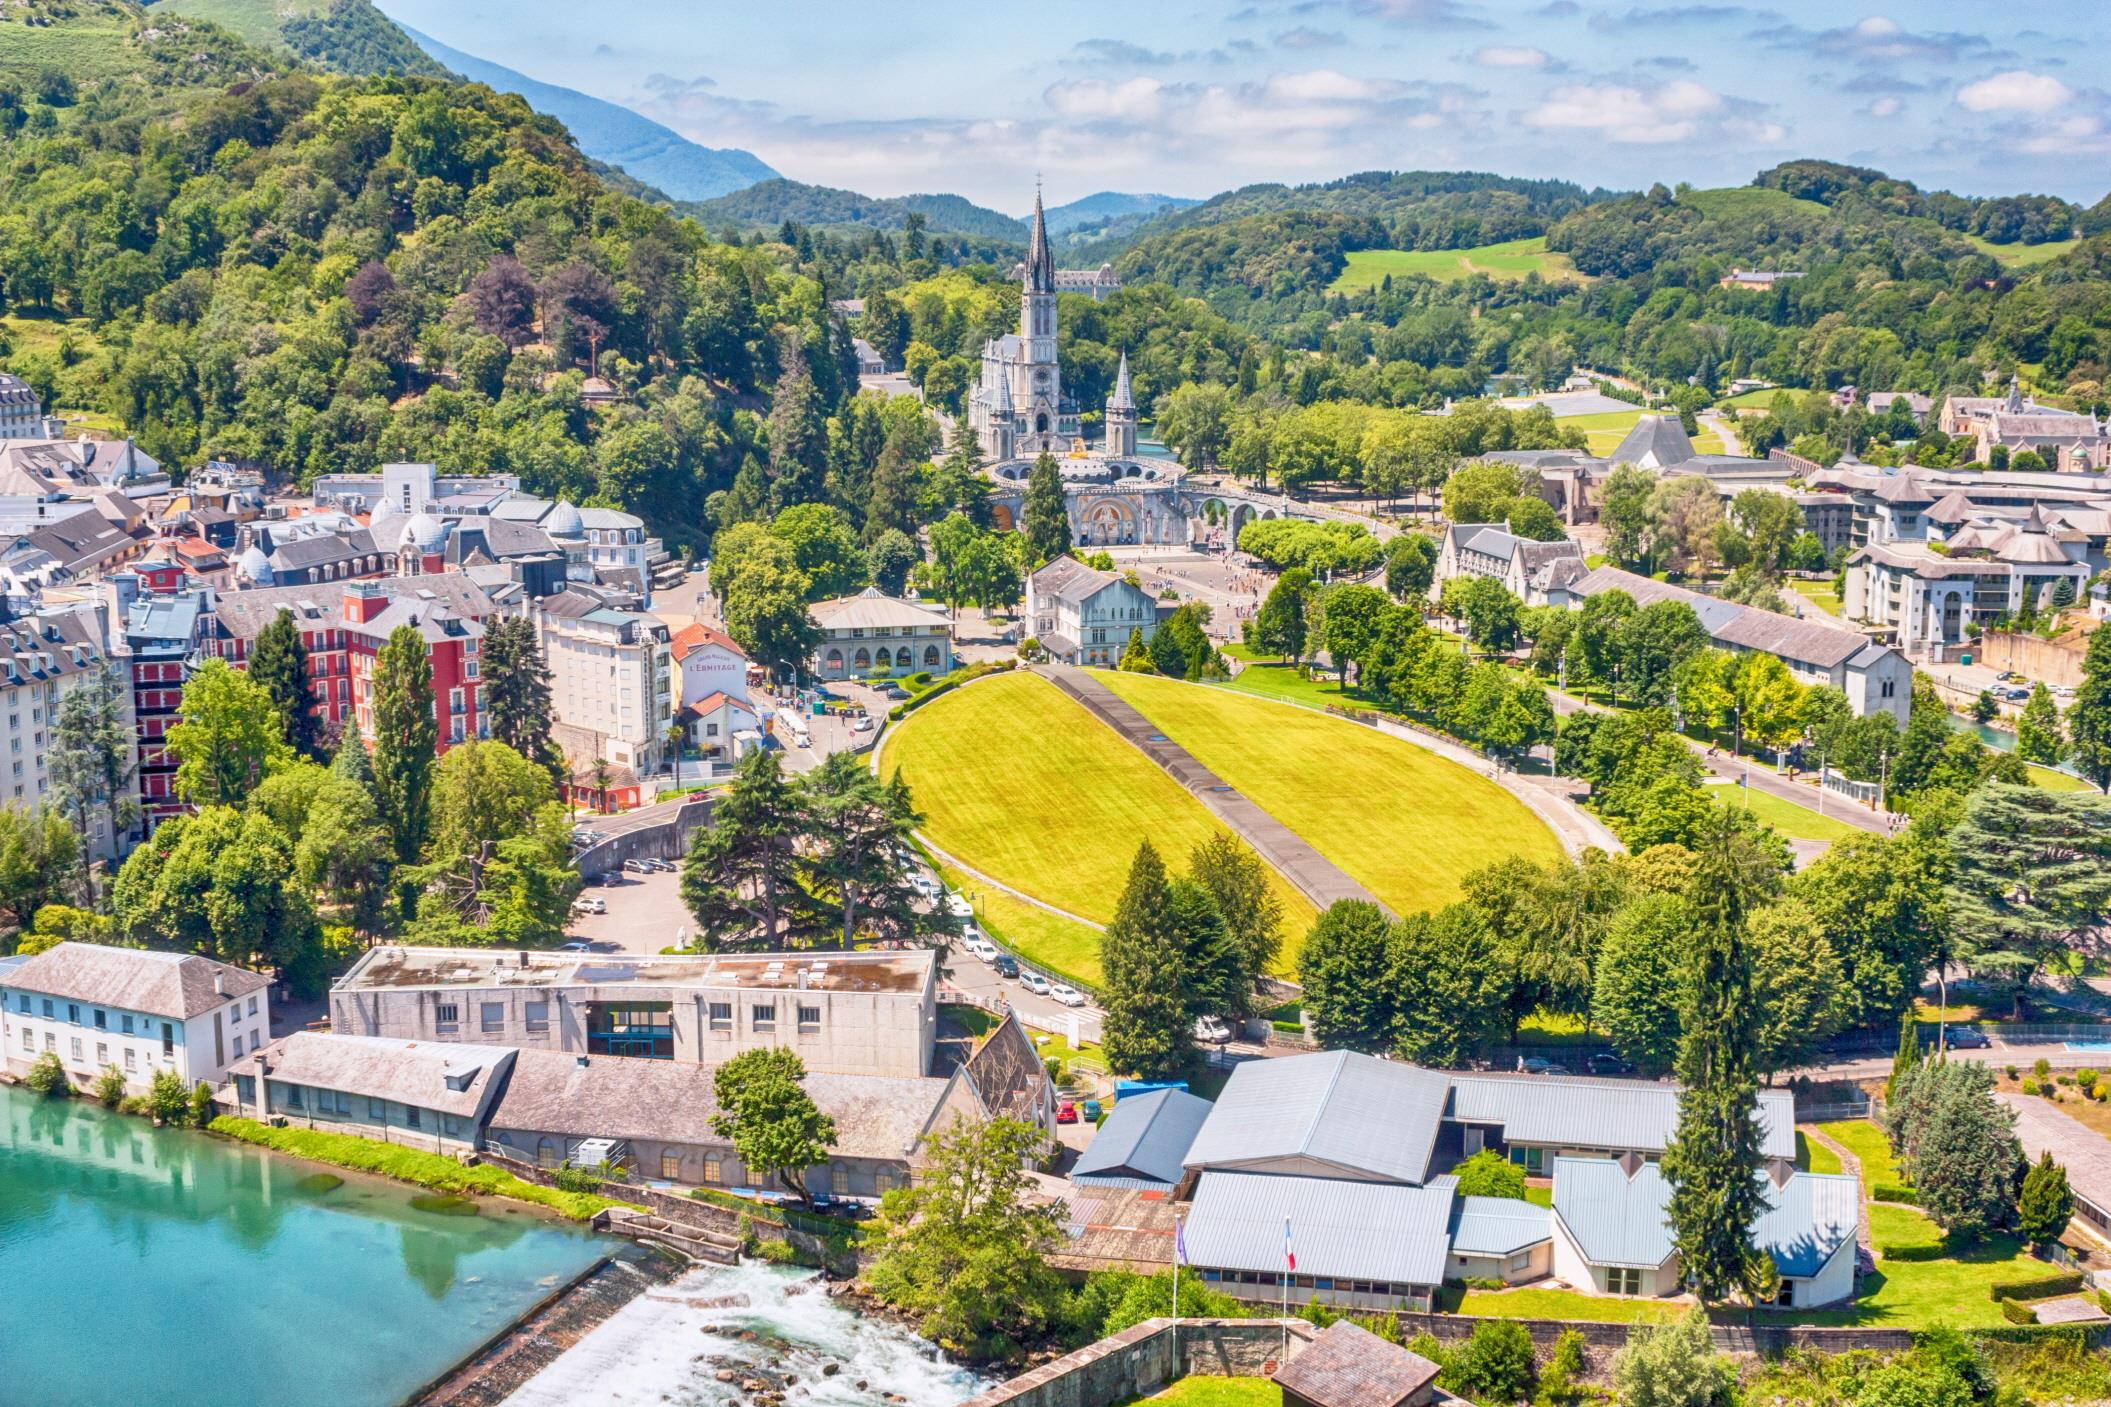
1343, 969
773, 1124
406, 739
228, 736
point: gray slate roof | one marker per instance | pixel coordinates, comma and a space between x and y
1336, 1110
241, 614
1807, 1219
1658, 438
1614, 1219
1349, 1366
1575, 1111
1068, 579
1144, 1141
175, 985
424, 1073
1346, 1230
1745, 627
1498, 1226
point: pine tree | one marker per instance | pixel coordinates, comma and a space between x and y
1714, 1159
279, 662
92, 755
1146, 1031
798, 430
1047, 516
892, 503
353, 761
2089, 716
2038, 730
741, 878
2046, 1204
966, 490
406, 739
516, 692
1136, 657
1908, 1054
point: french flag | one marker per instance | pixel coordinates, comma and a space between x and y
1289, 1255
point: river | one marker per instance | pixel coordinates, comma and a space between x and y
669, 1346
158, 1266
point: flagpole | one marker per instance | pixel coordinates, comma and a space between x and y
1176, 1265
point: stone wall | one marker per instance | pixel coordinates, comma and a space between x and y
1767, 1339
2032, 656
1145, 1358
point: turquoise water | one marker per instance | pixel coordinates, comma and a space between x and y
152, 1266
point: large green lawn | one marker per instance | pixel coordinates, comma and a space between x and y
1606, 428
1819, 594
2052, 780
1406, 824
1761, 399
1922, 1294
1867, 1142
1063, 950
1792, 821
2021, 256
1198, 1391
1510, 260
256, 21
1727, 201
1813, 1156
1023, 784
1568, 1304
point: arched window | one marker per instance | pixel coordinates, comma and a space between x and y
931, 656
862, 659
882, 659
545, 1154
834, 660
1041, 424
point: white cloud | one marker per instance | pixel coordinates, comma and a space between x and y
1886, 107
1510, 56
1139, 99
2017, 90
1672, 113
1326, 85
2070, 136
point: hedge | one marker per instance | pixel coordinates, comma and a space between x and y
1939, 1251
2016, 1312
1894, 1192
2044, 1287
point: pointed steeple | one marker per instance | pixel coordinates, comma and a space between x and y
1005, 405
1123, 398
1040, 258
2014, 404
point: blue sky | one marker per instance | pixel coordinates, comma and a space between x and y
932, 95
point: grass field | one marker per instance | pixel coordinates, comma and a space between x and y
2021, 256
1406, 824
2052, 780
1023, 784
1728, 201
1819, 594
1792, 821
1512, 259
257, 21
1568, 1304
1065, 951
1813, 1156
1760, 400
1867, 1142
1201, 1391
1605, 429
88, 48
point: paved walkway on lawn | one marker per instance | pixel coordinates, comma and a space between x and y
1316, 877
1852, 1166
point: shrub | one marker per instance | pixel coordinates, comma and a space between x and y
1428, 1345
2030, 1086
2085, 1077
167, 1100
1489, 1174
2017, 1313
2044, 1287
201, 1109
1557, 1383
1893, 1192
2042, 1068
2011, 1071
46, 1076
133, 1104
1672, 1365
776, 1252
1495, 1365
1384, 1326
110, 1087
2100, 1091
2063, 1079
576, 1180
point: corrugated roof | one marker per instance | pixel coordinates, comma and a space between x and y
1498, 1226
1807, 1219
1145, 1136
1560, 1111
1614, 1219
1338, 1109
1340, 1229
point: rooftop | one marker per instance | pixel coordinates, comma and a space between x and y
390, 968
1144, 1141
1349, 1366
176, 985
1335, 1110
454, 1079
870, 608
1615, 1218
1341, 1229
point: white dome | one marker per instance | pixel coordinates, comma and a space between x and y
425, 532
384, 508
253, 565
563, 520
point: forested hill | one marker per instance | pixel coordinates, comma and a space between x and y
343, 36
769, 204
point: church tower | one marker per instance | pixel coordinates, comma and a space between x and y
1121, 416
1041, 395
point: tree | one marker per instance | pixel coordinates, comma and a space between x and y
1478, 493
1147, 1027
1907, 1056
2033, 874
1768, 700
1047, 516
1495, 1364
859, 826
1195, 422
221, 883
889, 560
772, 1122
1279, 626
765, 608
1630, 526
1343, 969
92, 755
2046, 1204
824, 546
1713, 1161
279, 662
2089, 716
47, 1077
1491, 613
516, 688
1640, 973
1238, 882
1448, 986
502, 301
1673, 1365
1796, 985
1136, 656
1410, 565
1684, 511
498, 862
2038, 729
1353, 613
228, 737
344, 852
406, 739
1958, 1144
964, 1250
741, 875
797, 426
1489, 1174
40, 861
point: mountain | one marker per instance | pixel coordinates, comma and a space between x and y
770, 203
1107, 206
344, 36
659, 156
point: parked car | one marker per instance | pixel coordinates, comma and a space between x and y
2017, 694
980, 948
1006, 965
588, 904
959, 907
1091, 1110
861, 724
1034, 982
1607, 1063
1540, 1065
1966, 1038
636, 867
1066, 1112
1211, 1031
575, 947
1067, 994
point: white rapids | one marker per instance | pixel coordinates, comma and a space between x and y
667, 1348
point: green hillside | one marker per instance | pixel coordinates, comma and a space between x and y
1748, 202
65, 50
768, 204
1512, 259
344, 36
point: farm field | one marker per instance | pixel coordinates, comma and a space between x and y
1406, 824
1021, 783
1512, 259
2021, 256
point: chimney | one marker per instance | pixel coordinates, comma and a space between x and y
363, 601
219, 984
523, 957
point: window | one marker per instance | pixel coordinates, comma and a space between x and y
809, 1018
447, 1016
252, 1006
764, 1016
47, 1007
1623, 1280
721, 1016
545, 1154
73, 1013
494, 1016
293, 1097
29, 1041
124, 1023
538, 1017
838, 1180
410, 1117
168, 1039
451, 1126
714, 1171
102, 1053
23, 1003
377, 1109
1523, 1262
102, 1019
131, 1059
76, 1047
670, 1165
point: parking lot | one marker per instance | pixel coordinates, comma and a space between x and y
645, 914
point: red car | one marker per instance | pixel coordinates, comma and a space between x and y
1066, 1112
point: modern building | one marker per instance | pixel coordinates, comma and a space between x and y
1080, 615
43, 657
424, 1094
854, 1013
1357, 1245
133, 1010
611, 676
1143, 1142
1532, 571
873, 633
155, 640
1940, 592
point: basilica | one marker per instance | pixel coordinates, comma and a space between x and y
1018, 407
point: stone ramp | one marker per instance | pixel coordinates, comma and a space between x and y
1315, 876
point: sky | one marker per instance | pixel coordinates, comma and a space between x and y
1186, 99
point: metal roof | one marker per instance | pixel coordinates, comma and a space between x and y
1144, 1139
1807, 1219
1559, 1111
1338, 1229
1498, 1226
1614, 1219
1333, 1111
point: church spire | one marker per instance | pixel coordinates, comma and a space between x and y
1040, 259
1123, 398
2014, 405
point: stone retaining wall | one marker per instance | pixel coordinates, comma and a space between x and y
1145, 1358
1765, 1339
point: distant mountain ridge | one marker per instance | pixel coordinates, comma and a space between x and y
657, 155
769, 204
1099, 208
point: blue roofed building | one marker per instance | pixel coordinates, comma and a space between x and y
1144, 1142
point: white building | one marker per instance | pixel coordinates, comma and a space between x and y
871, 633
1018, 406
611, 675
708, 663
22, 414
1083, 616
137, 1011
1534, 572
421, 1093
42, 658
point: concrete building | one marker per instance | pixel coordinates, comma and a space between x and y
155, 640
43, 657
453, 644
611, 676
1938, 593
132, 1009
1534, 572
1083, 616
871, 633
427, 1095
22, 411
842, 1013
